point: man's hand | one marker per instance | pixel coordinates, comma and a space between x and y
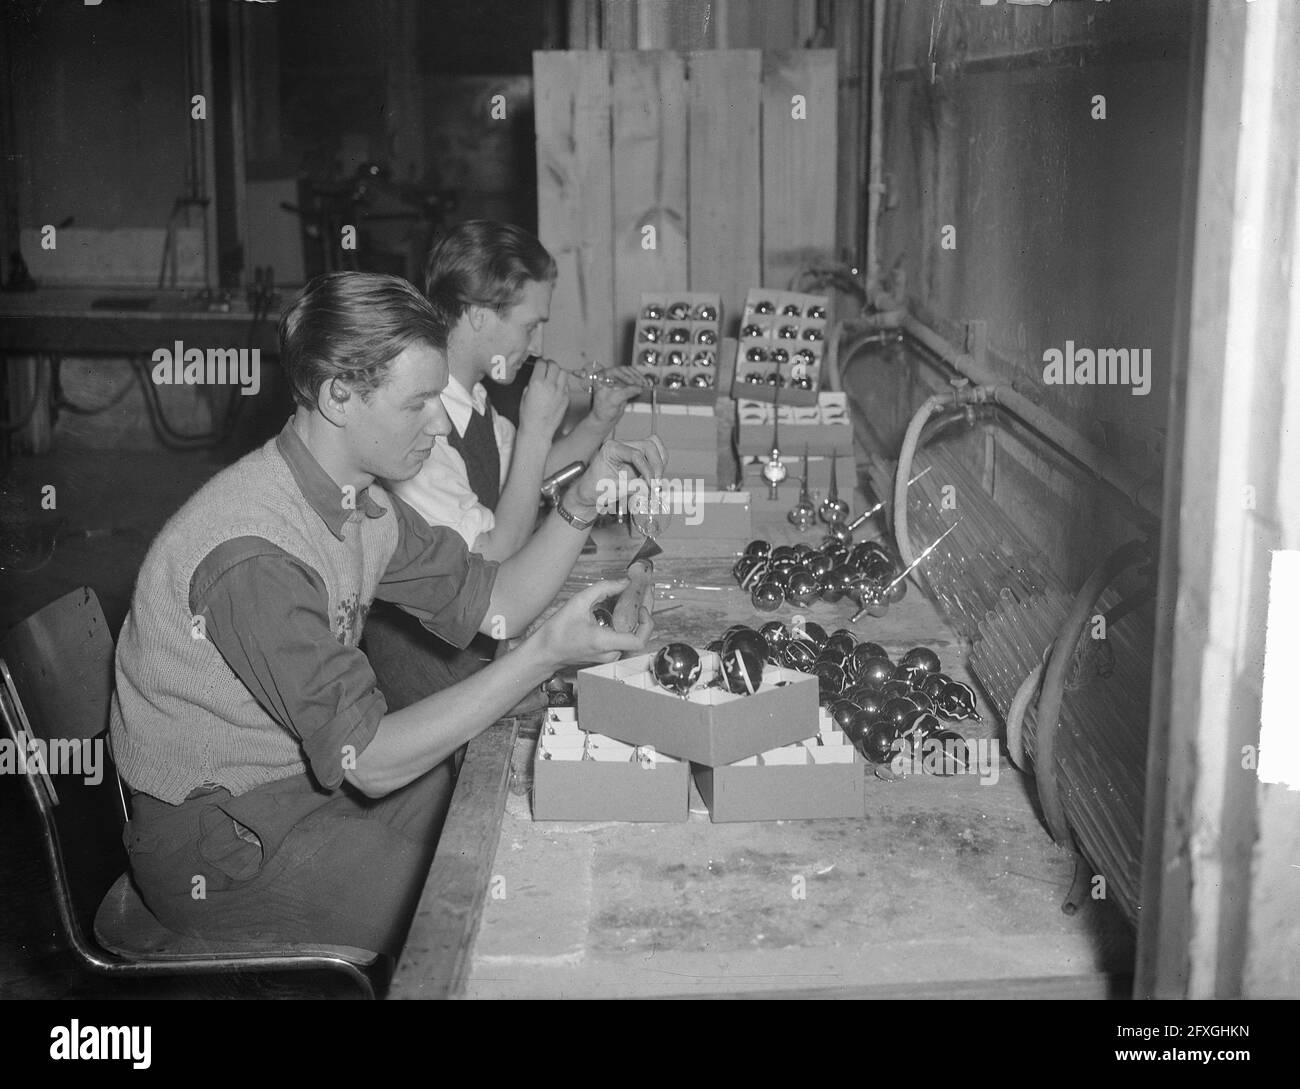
572, 636
545, 400
610, 400
646, 458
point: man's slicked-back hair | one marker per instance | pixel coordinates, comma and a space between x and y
483, 262
351, 326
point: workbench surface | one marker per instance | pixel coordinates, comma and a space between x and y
948, 887
106, 321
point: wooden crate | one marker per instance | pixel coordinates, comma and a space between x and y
714, 150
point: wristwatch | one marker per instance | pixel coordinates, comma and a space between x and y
573, 520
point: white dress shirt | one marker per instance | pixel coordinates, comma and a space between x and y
440, 491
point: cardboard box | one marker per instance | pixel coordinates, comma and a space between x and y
824, 429
710, 726
713, 515
682, 427
579, 776
797, 782
697, 465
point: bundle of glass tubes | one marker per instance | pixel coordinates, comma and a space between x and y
996, 589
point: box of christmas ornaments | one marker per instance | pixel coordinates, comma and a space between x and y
782, 344
712, 707
676, 341
778, 723
581, 776
818, 778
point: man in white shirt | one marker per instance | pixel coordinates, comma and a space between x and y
493, 283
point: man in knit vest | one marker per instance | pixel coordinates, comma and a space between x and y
274, 793
492, 282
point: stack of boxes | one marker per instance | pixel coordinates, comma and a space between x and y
581, 776
769, 755
699, 508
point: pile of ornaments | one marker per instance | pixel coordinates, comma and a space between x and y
801, 575
741, 653
879, 704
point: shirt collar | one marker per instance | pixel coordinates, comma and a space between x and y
460, 402
318, 487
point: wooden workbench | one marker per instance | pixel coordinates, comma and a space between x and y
102, 321
946, 888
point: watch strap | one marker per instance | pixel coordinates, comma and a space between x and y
570, 517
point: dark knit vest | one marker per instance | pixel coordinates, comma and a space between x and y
478, 446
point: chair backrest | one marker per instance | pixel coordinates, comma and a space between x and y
60, 660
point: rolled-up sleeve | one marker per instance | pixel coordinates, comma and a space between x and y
441, 494
266, 613
434, 577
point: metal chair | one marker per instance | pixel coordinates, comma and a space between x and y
56, 678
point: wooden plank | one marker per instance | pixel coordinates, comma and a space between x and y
574, 202
677, 24
649, 183
1160, 969
618, 27
799, 161
765, 24
725, 176
435, 959
1232, 435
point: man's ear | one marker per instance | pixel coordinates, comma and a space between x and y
332, 400
477, 317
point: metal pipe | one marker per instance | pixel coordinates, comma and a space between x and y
875, 154
1101, 464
